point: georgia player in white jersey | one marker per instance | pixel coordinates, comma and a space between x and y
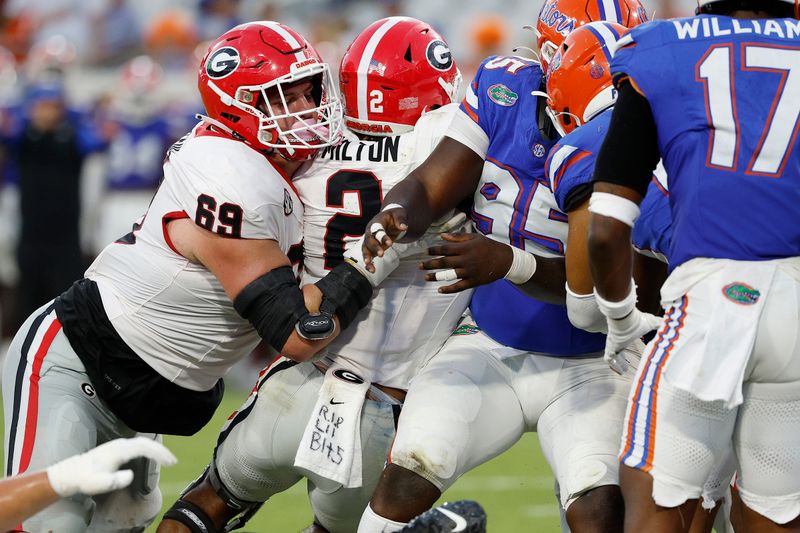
398, 81
165, 311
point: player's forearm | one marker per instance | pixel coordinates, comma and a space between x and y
610, 257
547, 283
24, 496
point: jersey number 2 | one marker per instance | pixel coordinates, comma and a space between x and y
367, 187
715, 70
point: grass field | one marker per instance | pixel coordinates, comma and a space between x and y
516, 488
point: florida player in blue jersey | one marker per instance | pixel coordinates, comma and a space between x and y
580, 93
718, 98
516, 364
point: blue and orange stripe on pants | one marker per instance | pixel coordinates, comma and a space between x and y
641, 424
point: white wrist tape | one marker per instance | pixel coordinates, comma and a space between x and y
392, 206
613, 206
384, 265
523, 266
584, 312
620, 309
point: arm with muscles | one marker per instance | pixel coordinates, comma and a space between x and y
620, 182
447, 176
582, 308
94, 472
257, 276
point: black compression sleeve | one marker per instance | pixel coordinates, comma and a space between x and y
630, 150
273, 303
345, 292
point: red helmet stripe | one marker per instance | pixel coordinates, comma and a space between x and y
366, 59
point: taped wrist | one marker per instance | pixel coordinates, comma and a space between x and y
584, 312
273, 304
345, 291
191, 516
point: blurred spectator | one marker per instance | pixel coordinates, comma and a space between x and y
488, 36
665, 9
48, 145
170, 39
68, 18
117, 33
140, 131
49, 60
215, 17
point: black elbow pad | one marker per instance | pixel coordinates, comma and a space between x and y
273, 303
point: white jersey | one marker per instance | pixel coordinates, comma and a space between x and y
173, 313
407, 320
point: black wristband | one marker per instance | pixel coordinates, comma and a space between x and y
345, 292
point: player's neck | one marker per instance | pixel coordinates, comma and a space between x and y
748, 14
288, 166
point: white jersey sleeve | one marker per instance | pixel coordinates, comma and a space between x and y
407, 320
173, 313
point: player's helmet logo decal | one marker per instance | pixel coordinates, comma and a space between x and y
439, 56
346, 375
222, 62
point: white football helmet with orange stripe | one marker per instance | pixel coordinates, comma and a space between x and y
247, 61
395, 69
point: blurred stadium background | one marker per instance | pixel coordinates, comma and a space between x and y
121, 75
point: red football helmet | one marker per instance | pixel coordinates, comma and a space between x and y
251, 59
558, 18
392, 72
579, 84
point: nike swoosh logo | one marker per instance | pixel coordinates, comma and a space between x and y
334, 402
461, 524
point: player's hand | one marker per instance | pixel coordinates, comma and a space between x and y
312, 298
623, 336
382, 231
97, 471
470, 258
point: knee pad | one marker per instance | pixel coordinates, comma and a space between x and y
244, 509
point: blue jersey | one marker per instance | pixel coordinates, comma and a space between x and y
569, 169
725, 97
136, 154
514, 204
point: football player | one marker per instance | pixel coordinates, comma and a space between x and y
398, 80
517, 364
723, 371
141, 343
580, 101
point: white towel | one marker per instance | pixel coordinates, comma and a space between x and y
713, 355
331, 444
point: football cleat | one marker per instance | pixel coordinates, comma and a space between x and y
464, 516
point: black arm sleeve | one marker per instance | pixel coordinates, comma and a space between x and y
345, 292
630, 150
273, 304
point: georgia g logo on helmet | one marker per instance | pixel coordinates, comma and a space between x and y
439, 56
222, 62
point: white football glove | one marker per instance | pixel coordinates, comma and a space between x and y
97, 471
626, 325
